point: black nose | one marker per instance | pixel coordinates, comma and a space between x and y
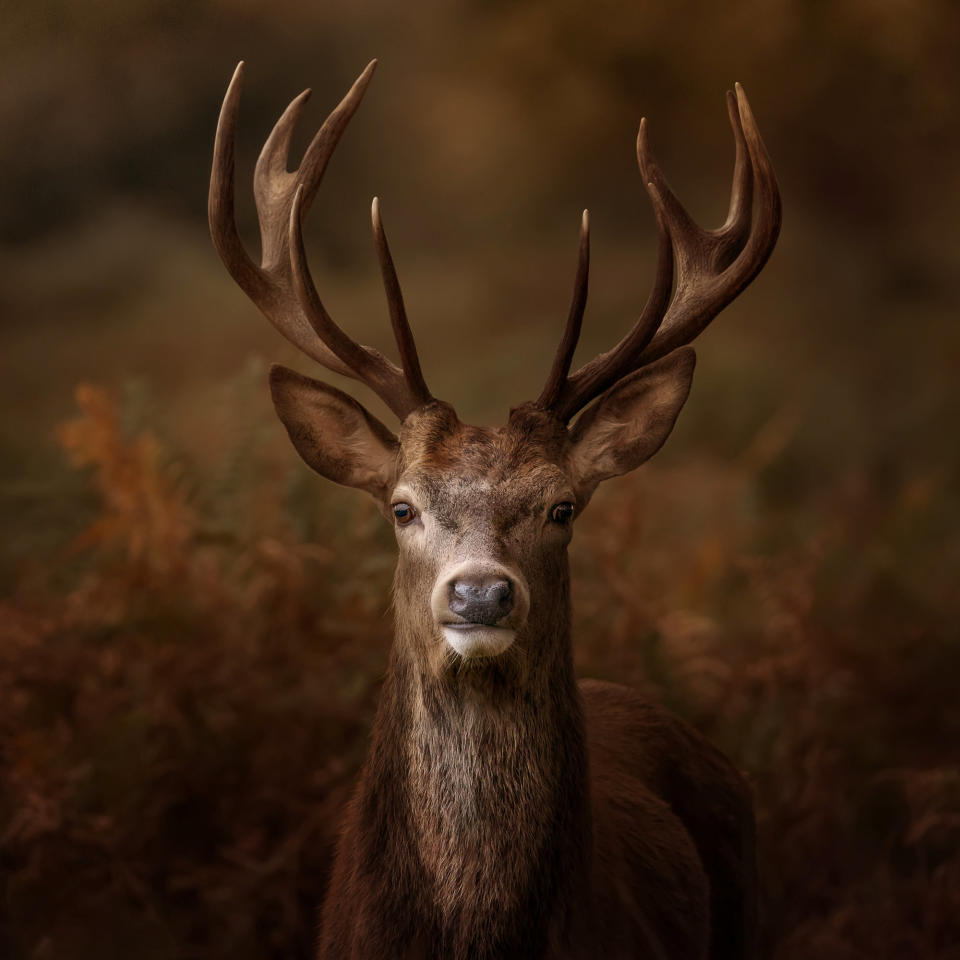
481, 601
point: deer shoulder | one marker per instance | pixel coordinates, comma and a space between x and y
632, 739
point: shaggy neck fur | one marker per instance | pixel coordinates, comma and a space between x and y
489, 818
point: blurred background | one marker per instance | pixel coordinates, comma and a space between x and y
193, 627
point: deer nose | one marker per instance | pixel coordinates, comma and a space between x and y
481, 599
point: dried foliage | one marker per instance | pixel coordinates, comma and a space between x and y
178, 727
181, 721
192, 629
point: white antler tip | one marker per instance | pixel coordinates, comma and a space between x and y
642, 135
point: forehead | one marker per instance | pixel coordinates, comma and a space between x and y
443, 458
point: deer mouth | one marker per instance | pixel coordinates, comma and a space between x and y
475, 640
479, 605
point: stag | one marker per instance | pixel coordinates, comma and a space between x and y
504, 808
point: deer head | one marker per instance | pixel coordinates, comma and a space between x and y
483, 516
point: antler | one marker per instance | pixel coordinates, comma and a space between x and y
712, 268
281, 286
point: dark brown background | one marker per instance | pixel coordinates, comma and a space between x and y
194, 627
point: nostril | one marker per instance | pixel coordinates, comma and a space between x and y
477, 601
463, 596
464, 590
500, 594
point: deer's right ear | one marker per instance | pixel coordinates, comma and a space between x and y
333, 433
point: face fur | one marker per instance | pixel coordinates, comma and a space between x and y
483, 516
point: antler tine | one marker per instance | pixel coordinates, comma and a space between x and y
269, 285
769, 209
571, 333
325, 140
409, 359
220, 205
605, 370
372, 367
273, 182
289, 302
735, 229
712, 266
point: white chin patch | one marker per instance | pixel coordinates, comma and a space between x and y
478, 641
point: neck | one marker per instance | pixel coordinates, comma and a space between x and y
488, 791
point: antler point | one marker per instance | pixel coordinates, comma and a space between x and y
237, 79
642, 139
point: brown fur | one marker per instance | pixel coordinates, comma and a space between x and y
504, 810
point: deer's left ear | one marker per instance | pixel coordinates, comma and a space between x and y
631, 421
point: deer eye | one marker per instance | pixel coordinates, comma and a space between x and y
404, 513
561, 512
